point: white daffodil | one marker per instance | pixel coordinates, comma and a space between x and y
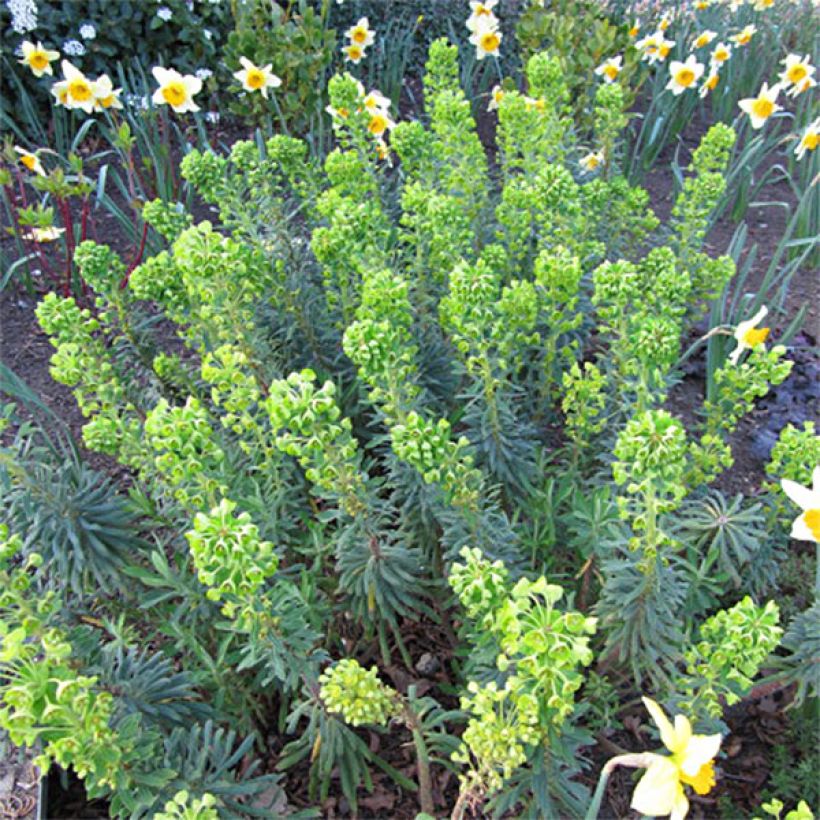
684, 75
610, 69
379, 123
809, 139
38, 58
700, 5
744, 36
79, 90
337, 113
591, 161
748, 335
487, 41
703, 39
655, 47
761, 107
496, 95
660, 791
43, 234
254, 78
804, 85
375, 101
30, 160
353, 53
710, 83
481, 15
175, 89
105, 95
806, 526
360, 34
720, 54
635, 29
60, 92
796, 70
762, 5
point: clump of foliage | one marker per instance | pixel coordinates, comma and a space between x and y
358, 428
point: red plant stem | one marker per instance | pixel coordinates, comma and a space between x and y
137, 258
84, 220
65, 212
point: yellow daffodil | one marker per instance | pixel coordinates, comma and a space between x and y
660, 791
254, 78
481, 15
374, 101
30, 160
709, 84
761, 107
703, 39
720, 54
105, 95
38, 58
700, 5
379, 123
79, 90
684, 75
496, 95
809, 139
175, 89
353, 53
360, 34
796, 70
806, 526
744, 37
591, 161
748, 335
610, 69
337, 113
534, 104
804, 85
43, 234
487, 41
762, 5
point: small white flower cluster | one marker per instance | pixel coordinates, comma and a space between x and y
73, 48
164, 13
87, 31
203, 74
23, 15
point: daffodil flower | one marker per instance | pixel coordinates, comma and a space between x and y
175, 89
761, 107
30, 160
748, 335
809, 139
43, 234
804, 85
720, 54
655, 47
360, 34
482, 15
610, 69
496, 95
709, 84
591, 161
79, 90
635, 28
796, 70
661, 789
105, 95
762, 5
379, 123
487, 41
684, 75
744, 36
375, 101
704, 39
806, 526
38, 58
353, 53
700, 5
254, 78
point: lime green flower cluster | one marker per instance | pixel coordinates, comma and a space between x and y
541, 648
207, 172
82, 361
45, 702
609, 119
168, 219
793, 456
651, 453
732, 646
583, 404
379, 343
774, 808
309, 427
187, 459
357, 694
429, 447
101, 268
157, 279
185, 806
230, 557
233, 389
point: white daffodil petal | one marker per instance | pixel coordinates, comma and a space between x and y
805, 498
681, 806
683, 732
801, 531
657, 791
699, 751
